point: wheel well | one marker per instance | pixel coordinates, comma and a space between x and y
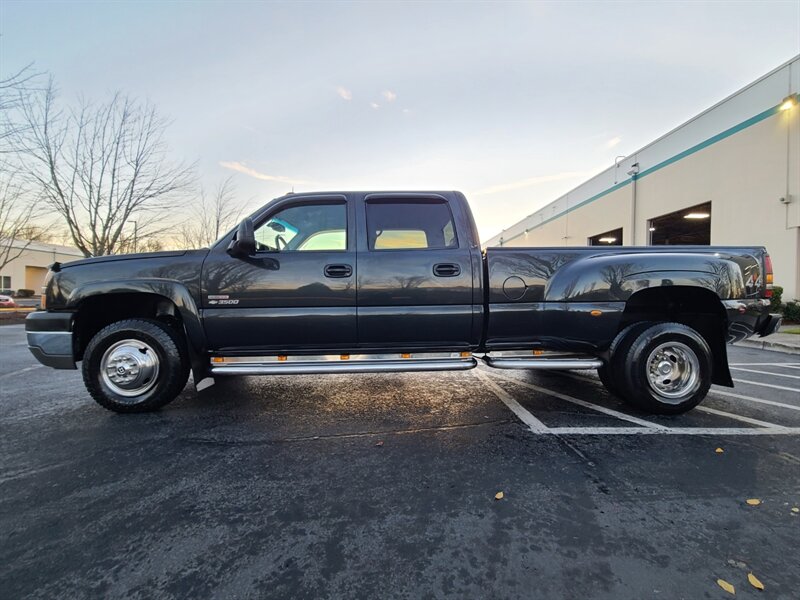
698, 308
96, 312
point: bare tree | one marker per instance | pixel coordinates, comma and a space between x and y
17, 207
16, 215
210, 217
14, 89
99, 165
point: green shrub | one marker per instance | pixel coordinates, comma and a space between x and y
791, 311
23, 293
775, 301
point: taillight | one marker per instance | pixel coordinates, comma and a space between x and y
768, 277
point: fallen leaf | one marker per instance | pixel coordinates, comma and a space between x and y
380, 443
753, 501
754, 581
499, 496
726, 586
719, 450
795, 509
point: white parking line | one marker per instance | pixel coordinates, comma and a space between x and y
735, 417
532, 422
757, 400
766, 373
791, 365
672, 431
706, 409
579, 402
19, 372
769, 385
536, 426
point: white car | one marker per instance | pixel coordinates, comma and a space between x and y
7, 302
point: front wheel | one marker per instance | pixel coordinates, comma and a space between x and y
666, 369
136, 365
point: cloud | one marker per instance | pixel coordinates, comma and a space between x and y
243, 168
523, 183
613, 142
344, 93
389, 95
375, 105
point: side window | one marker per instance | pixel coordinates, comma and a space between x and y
410, 225
305, 227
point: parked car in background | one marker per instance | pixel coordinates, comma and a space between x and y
7, 302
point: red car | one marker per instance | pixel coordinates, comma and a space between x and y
7, 302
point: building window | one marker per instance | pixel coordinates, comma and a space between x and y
5, 282
688, 227
609, 238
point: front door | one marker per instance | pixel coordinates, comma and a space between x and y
297, 291
415, 287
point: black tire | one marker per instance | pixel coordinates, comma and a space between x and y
666, 369
148, 380
611, 371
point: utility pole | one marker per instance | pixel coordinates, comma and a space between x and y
135, 235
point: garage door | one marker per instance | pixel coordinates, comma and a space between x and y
34, 278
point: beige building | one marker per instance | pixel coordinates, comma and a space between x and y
28, 270
729, 176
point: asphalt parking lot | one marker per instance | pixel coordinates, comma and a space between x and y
383, 486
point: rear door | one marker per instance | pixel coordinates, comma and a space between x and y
415, 284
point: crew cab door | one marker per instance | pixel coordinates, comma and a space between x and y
298, 291
415, 287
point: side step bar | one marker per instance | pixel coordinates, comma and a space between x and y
542, 363
393, 363
316, 365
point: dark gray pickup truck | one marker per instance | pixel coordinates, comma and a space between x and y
362, 282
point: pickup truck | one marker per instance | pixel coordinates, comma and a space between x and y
362, 282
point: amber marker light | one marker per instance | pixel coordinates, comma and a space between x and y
217, 359
282, 358
344, 356
596, 313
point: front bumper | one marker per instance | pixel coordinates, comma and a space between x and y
50, 338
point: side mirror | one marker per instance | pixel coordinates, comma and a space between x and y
244, 243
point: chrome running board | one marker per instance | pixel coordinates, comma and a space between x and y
341, 363
542, 362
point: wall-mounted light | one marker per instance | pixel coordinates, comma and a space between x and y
697, 215
607, 240
652, 229
788, 103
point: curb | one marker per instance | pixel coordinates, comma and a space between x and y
773, 346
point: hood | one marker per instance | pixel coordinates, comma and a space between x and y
117, 257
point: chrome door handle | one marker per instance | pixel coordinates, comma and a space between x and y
338, 271
446, 270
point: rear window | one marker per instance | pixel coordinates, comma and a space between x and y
410, 225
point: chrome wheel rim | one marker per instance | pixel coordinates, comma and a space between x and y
130, 368
673, 370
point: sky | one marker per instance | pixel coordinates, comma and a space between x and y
512, 103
